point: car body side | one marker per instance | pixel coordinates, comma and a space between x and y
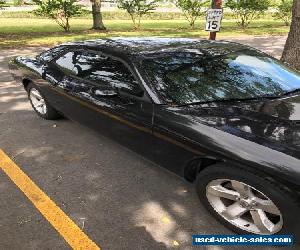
168, 135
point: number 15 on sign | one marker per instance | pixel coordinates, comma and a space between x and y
213, 20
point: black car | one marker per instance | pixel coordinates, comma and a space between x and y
220, 114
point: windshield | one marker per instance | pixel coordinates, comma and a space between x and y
186, 78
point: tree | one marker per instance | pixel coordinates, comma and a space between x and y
18, 2
247, 10
291, 53
192, 9
137, 8
97, 15
61, 11
284, 11
2, 3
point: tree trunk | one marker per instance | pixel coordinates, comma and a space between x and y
192, 24
291, 53
132, 16
97, 15
67, 27
139, 23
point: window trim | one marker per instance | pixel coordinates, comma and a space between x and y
136, 76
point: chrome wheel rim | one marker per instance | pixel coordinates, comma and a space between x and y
244, 206
38, 102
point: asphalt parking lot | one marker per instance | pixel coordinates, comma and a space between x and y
117, 198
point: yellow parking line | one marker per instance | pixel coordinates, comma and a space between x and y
57, 218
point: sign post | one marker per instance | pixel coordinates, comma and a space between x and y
214, 18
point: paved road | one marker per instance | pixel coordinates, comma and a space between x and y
272, 45
118, 198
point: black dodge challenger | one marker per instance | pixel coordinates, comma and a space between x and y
220, 114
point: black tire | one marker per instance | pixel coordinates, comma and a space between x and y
287, 204
51, 113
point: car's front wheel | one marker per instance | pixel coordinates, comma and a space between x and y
247, 202
40, 104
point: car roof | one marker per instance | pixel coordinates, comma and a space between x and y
148, 45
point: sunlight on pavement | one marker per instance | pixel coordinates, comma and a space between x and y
215, 248
160, 224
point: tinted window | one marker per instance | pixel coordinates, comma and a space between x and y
188, 78
104, 70
50, 54
67, 61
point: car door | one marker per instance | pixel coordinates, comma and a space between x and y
58, 74
102, 92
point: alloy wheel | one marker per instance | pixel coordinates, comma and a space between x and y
244, 206
38, 102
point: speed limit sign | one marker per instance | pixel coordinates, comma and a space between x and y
213, 20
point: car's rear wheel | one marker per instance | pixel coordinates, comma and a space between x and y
247, 202
40, 105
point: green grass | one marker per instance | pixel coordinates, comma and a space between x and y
39, 31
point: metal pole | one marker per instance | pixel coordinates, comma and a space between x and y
215, 4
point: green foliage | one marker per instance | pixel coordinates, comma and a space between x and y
107, 15
192, 9
273, 3
247, 10
19, 32
4, 3
284, 11
137, 8
59, 10
18, 2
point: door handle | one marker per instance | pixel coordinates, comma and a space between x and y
105, 93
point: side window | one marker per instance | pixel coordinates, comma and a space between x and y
104, 70
68, 61
50, 54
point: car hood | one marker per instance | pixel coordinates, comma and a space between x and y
275, 123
